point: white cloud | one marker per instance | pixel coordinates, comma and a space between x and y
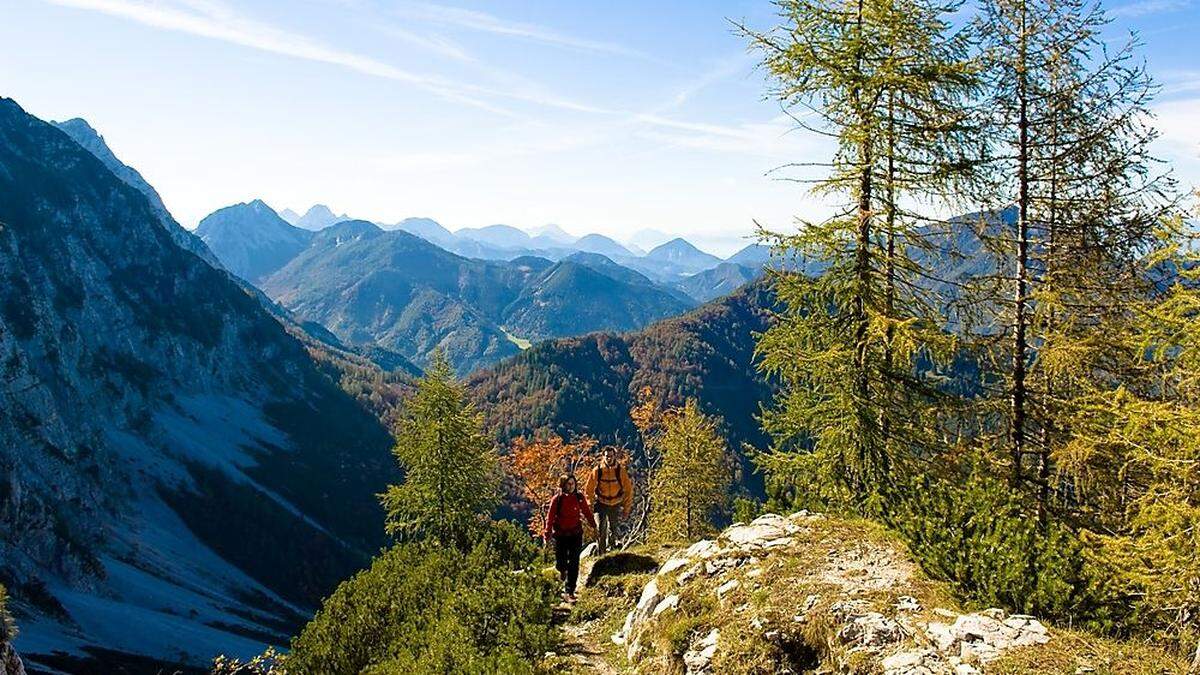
217, 21
436, 44
481, 21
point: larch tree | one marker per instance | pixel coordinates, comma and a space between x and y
1069, 138
452, 473
890, 84
693, 479
1133, 457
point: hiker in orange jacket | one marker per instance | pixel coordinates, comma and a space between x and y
608, 487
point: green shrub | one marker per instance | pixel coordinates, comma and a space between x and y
424, 609
969, 528
977, 534
746, 509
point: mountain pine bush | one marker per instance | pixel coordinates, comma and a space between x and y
420, 608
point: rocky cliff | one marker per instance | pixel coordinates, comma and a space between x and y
170, 458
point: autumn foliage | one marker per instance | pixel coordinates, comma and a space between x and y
535, 466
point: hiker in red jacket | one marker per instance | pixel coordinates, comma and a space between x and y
564, 523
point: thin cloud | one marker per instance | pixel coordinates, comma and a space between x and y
436, 44
727, 67
488, 23
217, 21
1147, 7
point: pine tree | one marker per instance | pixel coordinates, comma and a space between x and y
693, 478
451, 470
889, 82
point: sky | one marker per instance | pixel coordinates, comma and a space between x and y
609, 117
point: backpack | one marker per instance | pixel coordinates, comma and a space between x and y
610, 491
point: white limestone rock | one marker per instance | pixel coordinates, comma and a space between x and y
699, 658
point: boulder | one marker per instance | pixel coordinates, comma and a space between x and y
699, 658
865, 580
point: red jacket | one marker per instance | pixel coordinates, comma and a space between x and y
566, 514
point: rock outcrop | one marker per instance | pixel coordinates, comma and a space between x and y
805, 592
10, 661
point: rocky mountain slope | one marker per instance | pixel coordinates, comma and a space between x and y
251, 240
172, 459
408, 295
89, 139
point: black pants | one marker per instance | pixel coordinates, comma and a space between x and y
566, 557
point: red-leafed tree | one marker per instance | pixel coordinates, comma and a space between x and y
534, 465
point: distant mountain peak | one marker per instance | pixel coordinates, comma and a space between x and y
753, 255
647, 239
250, 239
426, 228
499, 235
606, 246
681, 257
319, 217
554, 233
680, 249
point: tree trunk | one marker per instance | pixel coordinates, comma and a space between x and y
890, 270
1021, 299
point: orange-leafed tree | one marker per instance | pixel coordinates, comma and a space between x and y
534, 466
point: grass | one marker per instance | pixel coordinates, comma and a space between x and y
521, 343
1072, 651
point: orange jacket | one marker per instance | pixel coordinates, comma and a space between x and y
609, 486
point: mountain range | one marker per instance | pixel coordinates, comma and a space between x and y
654, 253
397, 290
478, 294
180, 477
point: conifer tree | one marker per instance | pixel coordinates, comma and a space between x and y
889, 83
693, 478
1069, 148
1133, 456
452, 472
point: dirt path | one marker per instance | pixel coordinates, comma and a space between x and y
580, 649
578, 645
